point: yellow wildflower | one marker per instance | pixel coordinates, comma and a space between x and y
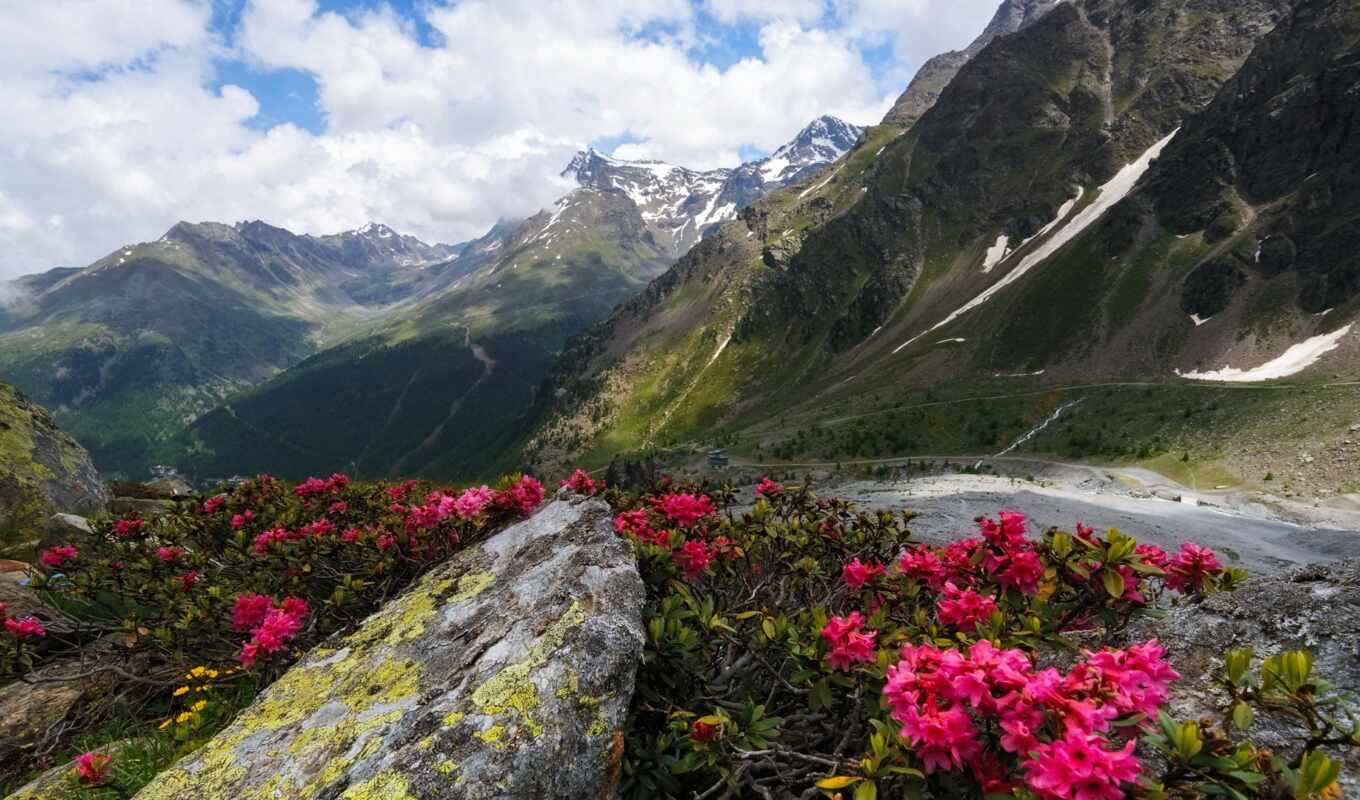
166, 724
181, 691
199, 706
184, 717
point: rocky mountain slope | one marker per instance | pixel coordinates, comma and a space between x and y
139, 343
42, 471
1017, 240
441, 385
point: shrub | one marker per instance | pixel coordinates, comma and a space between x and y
815, 649
227, 590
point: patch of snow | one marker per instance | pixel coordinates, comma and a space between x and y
1257, 257
1109, 193
1324, 312
996, 252
950, 341
880, 151
824, 182
773, 167
1294, 360
1198, 320
721, 347
876, 330
1063, 211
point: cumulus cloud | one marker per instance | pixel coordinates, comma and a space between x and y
114, 129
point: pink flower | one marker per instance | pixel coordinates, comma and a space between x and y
923, 564
127, 527
847, 642
273, 633
387, 542
1007, 533
25, 628
768, 488
693, 557
1192, 568
582, 483
686, 509
249, 610
1023, 572
472, 502
338, 507
214, 504
856, 573
943, 739
1152, 554
1077, 766
187, 580
92, 769
269, 537
351, 534
169, 554
524, 495
963, 609
56, 556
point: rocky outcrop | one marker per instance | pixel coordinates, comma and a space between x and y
42, 471
1314, 608
505, 672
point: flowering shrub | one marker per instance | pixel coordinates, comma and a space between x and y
241, 582
802, 646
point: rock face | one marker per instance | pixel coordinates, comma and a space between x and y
505, 672
42, 470
1315, 608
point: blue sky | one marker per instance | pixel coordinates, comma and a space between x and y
434, 117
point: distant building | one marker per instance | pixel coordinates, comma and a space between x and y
717, 458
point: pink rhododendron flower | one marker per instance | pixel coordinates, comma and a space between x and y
214, 504
239, 520
387, 542
942, 738
127, 527
963, 609
187, 580
848, 643
1023, 571
273, 633
338, 507
1192, 568
249, 610
92, 769
169, 554
1152, 554
857, 573
1078, 767
56, 556
923, 564
701, 731
580, 481
524, 495
693, 557
768, 488
473, 502
630, 521
28, 627
686, 509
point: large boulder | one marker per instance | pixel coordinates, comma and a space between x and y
42, 471
1315, 607
505, 672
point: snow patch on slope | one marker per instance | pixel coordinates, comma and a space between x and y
1109, 193
996, 253
1292, 361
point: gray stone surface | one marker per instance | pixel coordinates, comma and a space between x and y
63, 529
1315, 607
505, 672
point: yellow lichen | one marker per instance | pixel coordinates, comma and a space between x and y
511, 688
492, 736
385, 786
446, 766
453, 718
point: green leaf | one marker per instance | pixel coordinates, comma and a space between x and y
868, 790
1242, 715
838, 782
1114, 583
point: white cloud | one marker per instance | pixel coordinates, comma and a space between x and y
112, 134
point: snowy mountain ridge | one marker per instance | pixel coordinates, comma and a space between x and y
680, 205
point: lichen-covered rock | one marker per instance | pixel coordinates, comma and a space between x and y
505, 672
63, 528
1315, 607
42, 470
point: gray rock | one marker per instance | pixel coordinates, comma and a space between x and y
1315, 607
62, 529
505, 672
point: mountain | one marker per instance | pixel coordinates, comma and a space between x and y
680, 206
936, 73
1121, 193
441, 385
136, 345
42, 471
